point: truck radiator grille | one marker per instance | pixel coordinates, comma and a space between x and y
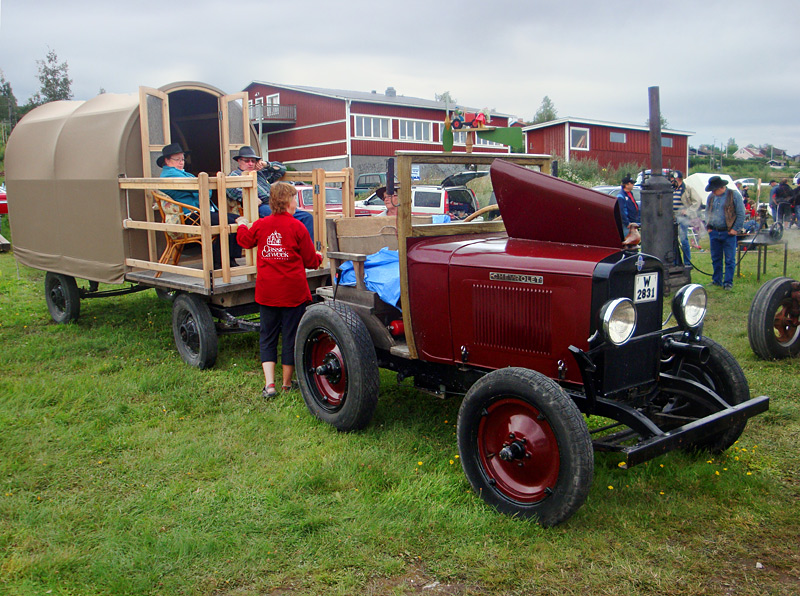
512, 318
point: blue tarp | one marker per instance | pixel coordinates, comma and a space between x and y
381, 275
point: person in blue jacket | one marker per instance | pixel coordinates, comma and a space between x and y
172, 162
628, 209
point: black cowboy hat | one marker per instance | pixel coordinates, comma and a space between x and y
714, 183
246, 151
382, 190
170, 149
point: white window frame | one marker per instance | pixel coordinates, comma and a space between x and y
623, 134
420, 129
360, 129
459, 136
272, 102
579, 129
666, 141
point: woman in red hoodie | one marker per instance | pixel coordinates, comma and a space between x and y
285, 251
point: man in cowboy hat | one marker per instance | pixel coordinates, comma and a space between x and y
725, 217
172, 162
266, 173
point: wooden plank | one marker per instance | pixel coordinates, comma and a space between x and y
225, 249
5, 245
133, 224
188, 271
205, 228
454, 229
403, 232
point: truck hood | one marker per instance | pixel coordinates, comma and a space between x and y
537, 206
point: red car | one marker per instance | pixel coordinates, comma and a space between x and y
333, 200
3, 200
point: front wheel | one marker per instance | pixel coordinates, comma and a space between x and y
723, 375
773, 324
336, 366
194, 331
62, 297
524, 446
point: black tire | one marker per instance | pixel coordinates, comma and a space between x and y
62, 297
336, 366
166, 295
545, 469
194, 331
773, 324
456, 124
725, 377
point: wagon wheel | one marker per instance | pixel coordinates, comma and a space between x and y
194, 331
456, 124
481, 211
773, 324
524, 446
62, 297
723, 375
337, 367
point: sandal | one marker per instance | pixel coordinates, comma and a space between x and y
269, 391
291, 387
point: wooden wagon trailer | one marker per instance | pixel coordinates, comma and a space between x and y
82, 176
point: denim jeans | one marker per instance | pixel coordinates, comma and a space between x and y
723, 248
683, 238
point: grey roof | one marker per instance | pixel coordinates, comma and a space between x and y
374, 97
602, 123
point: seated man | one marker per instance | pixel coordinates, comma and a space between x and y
172, 162
266, 174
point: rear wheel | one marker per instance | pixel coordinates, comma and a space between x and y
524, 446
773, 324
337, 367
62, 297
194, 331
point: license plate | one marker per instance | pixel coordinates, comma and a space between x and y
646, 287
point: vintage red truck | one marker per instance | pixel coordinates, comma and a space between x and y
542, 320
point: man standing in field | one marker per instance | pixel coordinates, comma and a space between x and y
725, 217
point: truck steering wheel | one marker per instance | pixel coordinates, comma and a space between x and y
481, 211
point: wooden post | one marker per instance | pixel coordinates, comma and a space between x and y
403, 232
205, 228
222, 199
318, 182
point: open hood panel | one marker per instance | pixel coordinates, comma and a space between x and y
536, 206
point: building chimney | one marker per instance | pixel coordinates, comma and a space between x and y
391, 92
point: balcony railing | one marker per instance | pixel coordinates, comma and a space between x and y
273, 113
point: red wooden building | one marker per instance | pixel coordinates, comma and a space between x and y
310, 127
608, 143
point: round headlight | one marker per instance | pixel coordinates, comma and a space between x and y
689, 306
618, 319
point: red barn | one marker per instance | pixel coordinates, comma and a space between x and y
609, 143
310, 127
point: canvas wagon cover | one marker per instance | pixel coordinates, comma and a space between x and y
66, 209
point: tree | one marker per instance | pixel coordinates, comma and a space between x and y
54, 78
664, 123
8, 103
731, 147
547, 112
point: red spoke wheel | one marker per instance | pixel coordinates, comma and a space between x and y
337, 367
524, 446
518, 450
773, 324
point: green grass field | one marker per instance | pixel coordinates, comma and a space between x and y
124, 471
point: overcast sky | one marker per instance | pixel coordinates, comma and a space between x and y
723, 67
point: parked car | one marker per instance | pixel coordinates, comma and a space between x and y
796, 179
451, 197
699, 182
644, 175
3, 200
366, 183
751, 182
614, 191
333, 200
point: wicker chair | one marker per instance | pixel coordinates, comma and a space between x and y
172, 212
